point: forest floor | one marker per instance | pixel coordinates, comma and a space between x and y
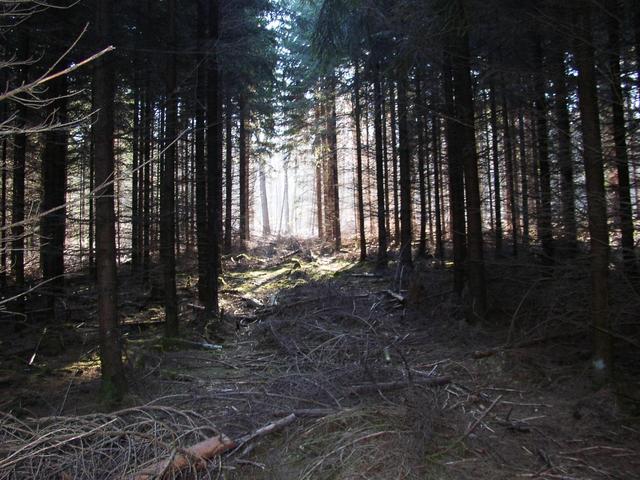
384, 377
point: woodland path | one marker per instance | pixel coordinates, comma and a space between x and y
323, 337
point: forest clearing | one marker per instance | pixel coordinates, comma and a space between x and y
319, 239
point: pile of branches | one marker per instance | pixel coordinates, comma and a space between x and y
99, 446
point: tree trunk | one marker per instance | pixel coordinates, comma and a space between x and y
18, 185
465, 111
496, 170
214, 161
565, 162
244, 174
456, 181
113, 380
266, 224
596, 199
135, 175
3, 211
422, 150
54, 182
333, 164
510, 171
542, 134
394, 160
201, 173
168, 190
619, 136
405, 173
380, 180
360, 196
228, 230
437, 186
524, 175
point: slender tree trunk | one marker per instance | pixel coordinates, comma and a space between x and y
435, 121
542, 133
456, 182
147, 185
596, 199
18, 186
54, 181
405, 173
360, 196
465, 110
524, 175
422, 151
394, 160
214, 161
496, 170
380, 180
565, 162
333, 164
3, 213
266, 224
200, 167
168, 190
510, 171
619, 135
135, 175
318, 150
228, 231
244, 174
113, 380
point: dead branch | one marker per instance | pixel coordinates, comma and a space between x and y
386, 386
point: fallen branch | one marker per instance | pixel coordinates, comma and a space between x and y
386, 386
197, 455
395, 296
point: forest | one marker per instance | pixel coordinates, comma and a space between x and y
319, 239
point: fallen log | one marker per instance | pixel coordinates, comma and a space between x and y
197, 455
386, 386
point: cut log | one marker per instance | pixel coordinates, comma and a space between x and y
197, 455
